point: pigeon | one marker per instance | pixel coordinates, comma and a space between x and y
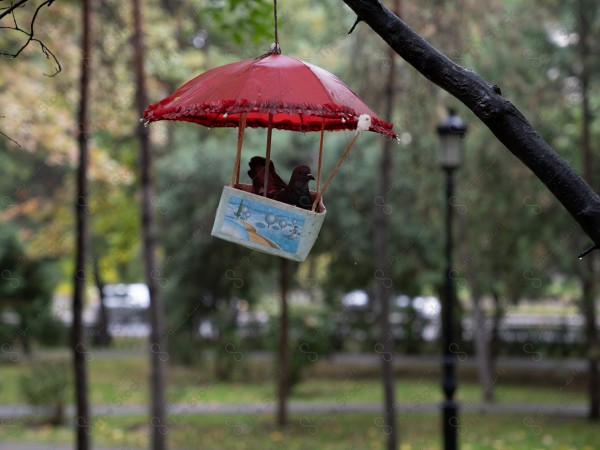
296, 193
257, 174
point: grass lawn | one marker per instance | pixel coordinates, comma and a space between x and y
328, 432
124, 380
116, 381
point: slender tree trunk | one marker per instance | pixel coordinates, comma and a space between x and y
103, 337
284, 369
382, 259
494, 345
158, 350
25, 339
591, 334
78, 339
498, 114
482, 341
589, 276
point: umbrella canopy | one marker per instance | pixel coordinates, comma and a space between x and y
296, 95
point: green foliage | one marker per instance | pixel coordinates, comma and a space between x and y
310, 338
11, 254
201, 274
511, 234
26, 288
46, 384
243, 21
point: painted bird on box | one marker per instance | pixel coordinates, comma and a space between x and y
295, 193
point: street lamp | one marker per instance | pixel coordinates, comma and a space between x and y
451, 132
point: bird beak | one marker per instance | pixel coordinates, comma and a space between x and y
310, 176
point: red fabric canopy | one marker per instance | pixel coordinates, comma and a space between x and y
299, 96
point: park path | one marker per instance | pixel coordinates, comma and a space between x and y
573, 410
41, 446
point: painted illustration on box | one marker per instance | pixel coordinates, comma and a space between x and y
262, 224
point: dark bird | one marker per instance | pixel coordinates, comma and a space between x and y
257, 174
296, 192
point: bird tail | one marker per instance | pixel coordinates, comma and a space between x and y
257, 175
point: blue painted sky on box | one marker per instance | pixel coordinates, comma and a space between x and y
281, 227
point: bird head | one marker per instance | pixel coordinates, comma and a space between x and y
302, 173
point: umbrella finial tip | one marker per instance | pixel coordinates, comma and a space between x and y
276, 48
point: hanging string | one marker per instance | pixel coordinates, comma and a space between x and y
275, 17
276, 48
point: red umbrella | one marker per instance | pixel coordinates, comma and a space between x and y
272, 91
291, 94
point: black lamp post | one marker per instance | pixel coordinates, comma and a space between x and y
451, 132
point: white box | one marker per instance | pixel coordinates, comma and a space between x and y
266, 225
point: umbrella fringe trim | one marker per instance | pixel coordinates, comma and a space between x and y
222, 114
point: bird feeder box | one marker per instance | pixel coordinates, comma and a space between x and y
266, 225
271, 91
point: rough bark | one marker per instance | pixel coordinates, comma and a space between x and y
381, 248
589, 275
78, 338
158, 350
497, 113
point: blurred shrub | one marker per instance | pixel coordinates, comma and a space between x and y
310, 338
184, 349
45, 385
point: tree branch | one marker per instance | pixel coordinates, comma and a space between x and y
9, 9
29, 33
498, 114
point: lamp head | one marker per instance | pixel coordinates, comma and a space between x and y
451, 131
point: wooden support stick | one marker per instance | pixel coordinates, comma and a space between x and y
235, 176
314, 207
268, 158
334, 171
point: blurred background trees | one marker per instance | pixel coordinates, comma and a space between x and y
515, 242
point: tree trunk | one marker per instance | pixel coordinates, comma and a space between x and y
284, 370
103, 337
498, 114
589, 276
591, 335
497, 317
158, 350
482, 341
25, 339
58, 414
381, 243
78, 339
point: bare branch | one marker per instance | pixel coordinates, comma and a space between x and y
9, 9
29, 33
8, 137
